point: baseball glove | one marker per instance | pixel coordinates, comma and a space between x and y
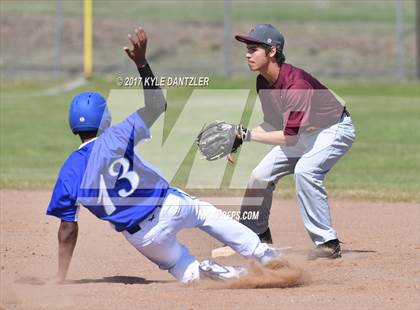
219, 138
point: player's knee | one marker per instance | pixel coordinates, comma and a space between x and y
302, 175
300, 172
258, 178
186, 268
307, 179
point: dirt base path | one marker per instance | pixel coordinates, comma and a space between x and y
380, 268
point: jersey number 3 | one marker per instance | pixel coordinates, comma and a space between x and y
113, 170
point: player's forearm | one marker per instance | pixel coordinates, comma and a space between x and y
154, 100
67, 238
271, 138
268, 137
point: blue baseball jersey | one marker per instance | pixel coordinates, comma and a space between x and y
107, 177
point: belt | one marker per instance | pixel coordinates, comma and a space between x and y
133, 229
345, 112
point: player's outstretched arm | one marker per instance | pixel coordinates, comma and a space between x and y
155, 103
67, 237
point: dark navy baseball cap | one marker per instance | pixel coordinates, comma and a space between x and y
263, 34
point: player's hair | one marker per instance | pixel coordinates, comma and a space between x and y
85, 135
279, 56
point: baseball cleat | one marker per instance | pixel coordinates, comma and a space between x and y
210, 269
270, 255
330, 249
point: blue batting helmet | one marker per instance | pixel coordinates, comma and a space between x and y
88, 112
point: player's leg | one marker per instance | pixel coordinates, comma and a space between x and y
158, 243
324, 150
203, 215
230, 232
189, 212
259, 193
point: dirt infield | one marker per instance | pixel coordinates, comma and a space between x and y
380, 268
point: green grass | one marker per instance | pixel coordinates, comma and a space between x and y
382, 165
250, 11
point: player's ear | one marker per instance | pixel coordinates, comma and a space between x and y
272, 52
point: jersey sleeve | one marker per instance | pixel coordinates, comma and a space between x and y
63, 203
131, 130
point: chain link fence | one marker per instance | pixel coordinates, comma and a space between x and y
340, 38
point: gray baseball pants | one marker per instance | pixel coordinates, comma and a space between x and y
309, 160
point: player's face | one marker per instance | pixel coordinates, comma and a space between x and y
257, 59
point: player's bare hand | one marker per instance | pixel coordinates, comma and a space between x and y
139, 44
230, 159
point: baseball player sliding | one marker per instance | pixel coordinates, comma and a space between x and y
309, 128
107, 177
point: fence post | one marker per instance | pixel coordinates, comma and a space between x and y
87, 38
227, 39
418, 37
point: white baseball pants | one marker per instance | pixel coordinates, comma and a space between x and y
157, 238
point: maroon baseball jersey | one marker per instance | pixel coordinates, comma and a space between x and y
297, 101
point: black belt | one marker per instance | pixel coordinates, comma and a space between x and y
346, 112
133, 229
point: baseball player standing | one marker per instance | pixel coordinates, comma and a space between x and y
310, 130
107, 177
